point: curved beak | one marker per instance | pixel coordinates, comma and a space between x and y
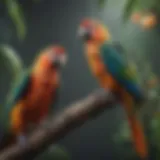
60, 61
81, 31
63, 59
84, 33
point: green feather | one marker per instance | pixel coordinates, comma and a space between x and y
16, 93
127, 72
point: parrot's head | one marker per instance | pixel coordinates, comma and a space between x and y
92, 30
56, 56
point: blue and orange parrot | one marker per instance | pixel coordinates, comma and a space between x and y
31, 99
113, 73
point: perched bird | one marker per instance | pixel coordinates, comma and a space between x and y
113, 74
31, 98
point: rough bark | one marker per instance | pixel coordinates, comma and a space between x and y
60, 125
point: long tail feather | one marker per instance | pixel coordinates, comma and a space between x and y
138, 136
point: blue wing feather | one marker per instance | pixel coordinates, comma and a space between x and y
20, 89
117, 66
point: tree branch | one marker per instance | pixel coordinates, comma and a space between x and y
61, 124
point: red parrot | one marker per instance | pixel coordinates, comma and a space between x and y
31, 99
114, 74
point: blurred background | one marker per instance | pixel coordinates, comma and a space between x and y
26, 27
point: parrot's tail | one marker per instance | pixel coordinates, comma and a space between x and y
138, 135
138, 138
6, 138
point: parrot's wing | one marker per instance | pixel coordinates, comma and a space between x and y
118, 67
20, 88
17, 92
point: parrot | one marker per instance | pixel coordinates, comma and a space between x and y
32, 96
113, 74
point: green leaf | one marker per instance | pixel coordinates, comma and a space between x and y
16, 14
129, 7
13, 62
101, 3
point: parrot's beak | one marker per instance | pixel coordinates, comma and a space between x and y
84, 34
63, 59
60, 61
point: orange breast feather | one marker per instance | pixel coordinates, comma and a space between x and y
99, 70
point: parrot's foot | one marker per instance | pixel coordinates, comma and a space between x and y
22, 140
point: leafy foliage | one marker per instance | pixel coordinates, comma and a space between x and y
16, 14
14, 63
132, 5
101, 3
129, 7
